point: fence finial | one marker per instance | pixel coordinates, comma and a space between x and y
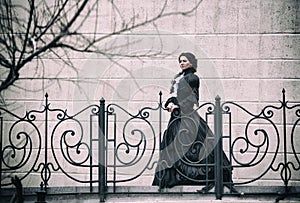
160, 97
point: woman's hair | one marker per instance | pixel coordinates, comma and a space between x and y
191, 57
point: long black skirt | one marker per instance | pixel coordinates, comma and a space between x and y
187, 153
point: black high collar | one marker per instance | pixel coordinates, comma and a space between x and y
187, 71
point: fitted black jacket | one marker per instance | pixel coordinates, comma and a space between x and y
187, 91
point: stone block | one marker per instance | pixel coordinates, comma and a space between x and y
218, 46
248, 47
279, 16
248, 16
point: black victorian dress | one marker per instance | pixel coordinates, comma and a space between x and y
187, 150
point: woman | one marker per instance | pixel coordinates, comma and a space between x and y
187, 156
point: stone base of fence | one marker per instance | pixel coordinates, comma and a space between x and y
151, 194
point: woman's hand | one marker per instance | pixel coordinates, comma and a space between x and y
171, 106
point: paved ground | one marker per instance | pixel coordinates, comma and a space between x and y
150, 195
161, 199
193, 198
149, 200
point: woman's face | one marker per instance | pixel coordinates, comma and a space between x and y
184, 63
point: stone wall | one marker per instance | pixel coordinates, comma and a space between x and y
248, 51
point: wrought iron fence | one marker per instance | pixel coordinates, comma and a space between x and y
107, 142
271, 135
49, 141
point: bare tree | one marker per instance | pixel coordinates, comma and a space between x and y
35, 29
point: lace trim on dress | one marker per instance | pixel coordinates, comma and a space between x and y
174, 88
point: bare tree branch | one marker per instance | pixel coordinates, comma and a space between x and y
31, 29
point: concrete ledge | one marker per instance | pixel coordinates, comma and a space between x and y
151, 194
243, 190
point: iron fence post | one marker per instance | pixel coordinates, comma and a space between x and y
160, 118
218, 149
159, 135
46, 143
286, 178
101, 145
1, 157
